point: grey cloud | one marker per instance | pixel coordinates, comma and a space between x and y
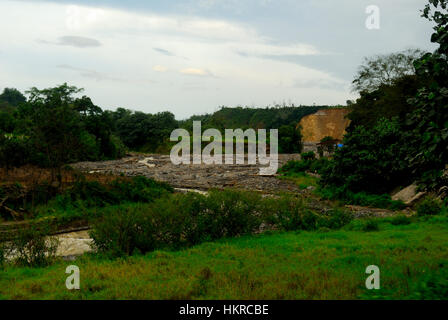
74, 41
165, 52
90, 74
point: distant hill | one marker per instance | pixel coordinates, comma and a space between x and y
256, 118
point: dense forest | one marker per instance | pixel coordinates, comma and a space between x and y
53, 126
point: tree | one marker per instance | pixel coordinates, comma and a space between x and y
371, 160
388, 101
290, 139
428, 125
12, 97
54, 126
384, 69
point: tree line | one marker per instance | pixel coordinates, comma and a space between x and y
399, 128
54, 126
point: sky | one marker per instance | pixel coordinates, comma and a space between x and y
191, 57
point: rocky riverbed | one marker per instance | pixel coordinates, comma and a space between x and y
200, 177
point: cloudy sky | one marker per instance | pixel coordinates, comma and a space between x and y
192, 56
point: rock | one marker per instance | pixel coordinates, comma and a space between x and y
408, 195
443, 193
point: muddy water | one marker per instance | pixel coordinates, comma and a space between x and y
74, 244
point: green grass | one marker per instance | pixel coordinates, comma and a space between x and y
302, 179
308, 265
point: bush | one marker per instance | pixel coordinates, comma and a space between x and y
183, 220
336, 219
124, 231
308, 156
177, 221
383, 201
433, 287
92, 194
33, 247
430, 206
293, 167
370, 225
2, 255
400, 220
372, 160
286, 213
290, 214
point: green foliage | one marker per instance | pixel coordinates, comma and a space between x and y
290, 214
14, 150
433, 286
75, 201
177, 221
371, 160
183, 220
33, 247
383, 70
360, 198
428, 125
12, 97
308, 156
430, 206
256, 118
370, 225
399, 129
142, 131
3, 253
293, 168
53, 127
290, 139
400, 220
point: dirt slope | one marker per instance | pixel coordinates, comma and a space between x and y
328, 122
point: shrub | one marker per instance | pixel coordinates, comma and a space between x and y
182, 220
308, 156
400, 220
372, 160
286, 213
2, 255
177, 221
293, 167
433, 287
91, 194
336, 219
290, 214
233, 213
33, 247
370, 225
430, 206
123, 231
361, 198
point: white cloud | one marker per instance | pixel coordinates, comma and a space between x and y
142, 47
195, 72
160, 68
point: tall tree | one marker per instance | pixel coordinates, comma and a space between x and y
429, 123
384, 69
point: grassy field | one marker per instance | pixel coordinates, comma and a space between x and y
413, 259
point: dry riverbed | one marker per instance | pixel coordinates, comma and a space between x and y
199, 177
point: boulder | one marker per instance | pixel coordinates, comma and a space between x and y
408, 195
